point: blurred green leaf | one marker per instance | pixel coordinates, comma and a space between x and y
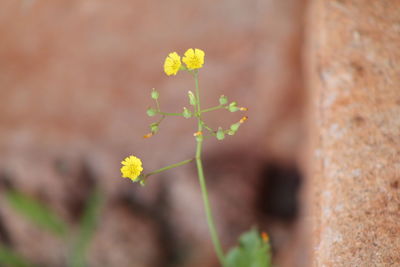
87, 228
252, 251
37, 212
10, 258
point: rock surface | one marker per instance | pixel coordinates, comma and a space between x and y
355, 79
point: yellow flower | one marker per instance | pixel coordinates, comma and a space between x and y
132, 167
172, 64
194, 58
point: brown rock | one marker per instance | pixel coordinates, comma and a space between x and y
355, 80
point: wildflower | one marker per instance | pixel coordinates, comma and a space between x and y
172, 64
194, 58
243, 109
132, 167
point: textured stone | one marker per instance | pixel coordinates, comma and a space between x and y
355, 80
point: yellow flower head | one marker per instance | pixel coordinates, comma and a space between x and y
172, 64
131, 167
194, 58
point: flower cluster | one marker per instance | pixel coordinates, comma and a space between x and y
193, 58
191, 62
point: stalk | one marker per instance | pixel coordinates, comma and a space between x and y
207, 207
169, 167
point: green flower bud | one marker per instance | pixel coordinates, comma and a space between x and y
151, 112
192, 98
223, 100
154, 128
154, 94
220, 134
235, 127
233, 107
186, 113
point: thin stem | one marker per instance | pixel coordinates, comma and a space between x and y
169, 114
208, 128
196, 80
158, 105
212, 109
169, 167
202, 181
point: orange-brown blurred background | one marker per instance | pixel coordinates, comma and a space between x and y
75, 81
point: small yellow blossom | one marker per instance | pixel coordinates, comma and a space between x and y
197, 133
194, 58
244, 109
132, 167
172, 64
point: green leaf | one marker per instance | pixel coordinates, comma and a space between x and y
12, 258
37, 212
87, 228
252, 251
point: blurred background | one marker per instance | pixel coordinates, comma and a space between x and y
75, 83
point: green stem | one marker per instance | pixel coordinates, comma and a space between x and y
158, 105
202, 181
212, 132
168, 167
212, 109
170, 114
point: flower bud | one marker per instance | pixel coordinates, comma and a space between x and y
154, 94
192, 98
151, 112
186, 113
233, 107
234, 127
154, 128
220, 134
223, 100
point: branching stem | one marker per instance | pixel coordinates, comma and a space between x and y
202, 181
